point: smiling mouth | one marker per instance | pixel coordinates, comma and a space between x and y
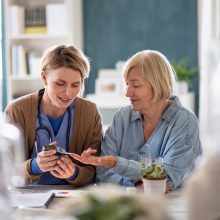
64, 99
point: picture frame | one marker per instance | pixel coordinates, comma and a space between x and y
109, 86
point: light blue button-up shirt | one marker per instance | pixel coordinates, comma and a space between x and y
176, 139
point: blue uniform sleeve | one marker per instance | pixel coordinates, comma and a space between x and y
34, 167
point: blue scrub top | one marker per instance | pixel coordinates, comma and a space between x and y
42, 138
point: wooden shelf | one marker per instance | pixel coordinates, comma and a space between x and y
38, 37
24, 78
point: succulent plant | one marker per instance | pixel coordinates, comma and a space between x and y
153, 171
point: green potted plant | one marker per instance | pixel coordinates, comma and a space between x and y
153, 176
184, 74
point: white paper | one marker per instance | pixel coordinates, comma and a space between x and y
33, 200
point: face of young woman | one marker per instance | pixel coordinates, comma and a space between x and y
138, 90
62, 86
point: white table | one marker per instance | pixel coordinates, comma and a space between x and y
177, 205
175, 201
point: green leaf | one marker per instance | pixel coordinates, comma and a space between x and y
182, 69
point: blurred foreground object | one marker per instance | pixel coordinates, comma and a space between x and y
203, 190
12, 151
107, 203
11, 158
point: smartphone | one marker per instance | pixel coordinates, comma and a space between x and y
59, 150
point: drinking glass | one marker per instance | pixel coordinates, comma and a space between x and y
152, 160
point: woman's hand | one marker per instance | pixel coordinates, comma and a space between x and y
47, 160
64, 168
87, 158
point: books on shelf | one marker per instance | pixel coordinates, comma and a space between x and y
18, 60
24, 62
16, 14
39, 19
35, 20
35, 30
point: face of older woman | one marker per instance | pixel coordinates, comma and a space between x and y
62, 86
138, 90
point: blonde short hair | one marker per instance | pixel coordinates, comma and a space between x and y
65, 56
156, 69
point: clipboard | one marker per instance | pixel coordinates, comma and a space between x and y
32, 200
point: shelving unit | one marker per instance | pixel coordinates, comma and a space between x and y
24, 82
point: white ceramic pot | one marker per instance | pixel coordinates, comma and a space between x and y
154, 187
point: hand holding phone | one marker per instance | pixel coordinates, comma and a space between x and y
59, 150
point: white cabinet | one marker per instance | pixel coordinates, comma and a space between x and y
59, 22
108, 105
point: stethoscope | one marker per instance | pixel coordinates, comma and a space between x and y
44, 128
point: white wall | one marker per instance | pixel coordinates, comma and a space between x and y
209, 60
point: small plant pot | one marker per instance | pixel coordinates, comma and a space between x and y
154, 187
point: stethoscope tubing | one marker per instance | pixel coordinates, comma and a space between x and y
41, 127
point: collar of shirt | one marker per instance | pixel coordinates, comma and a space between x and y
172, 109
167, 115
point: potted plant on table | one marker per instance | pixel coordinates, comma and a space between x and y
153, 176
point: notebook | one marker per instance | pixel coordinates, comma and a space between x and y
32, 200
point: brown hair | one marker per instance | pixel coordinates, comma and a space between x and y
65, 56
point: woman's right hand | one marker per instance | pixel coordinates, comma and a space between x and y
47, 160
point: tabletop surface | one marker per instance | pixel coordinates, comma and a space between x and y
175, 200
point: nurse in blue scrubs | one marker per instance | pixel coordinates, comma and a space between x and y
57, 116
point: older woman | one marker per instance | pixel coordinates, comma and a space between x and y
156, 124
56, 115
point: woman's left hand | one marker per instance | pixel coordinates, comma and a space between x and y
88, 158
64, 168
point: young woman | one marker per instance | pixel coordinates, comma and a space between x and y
56, 115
